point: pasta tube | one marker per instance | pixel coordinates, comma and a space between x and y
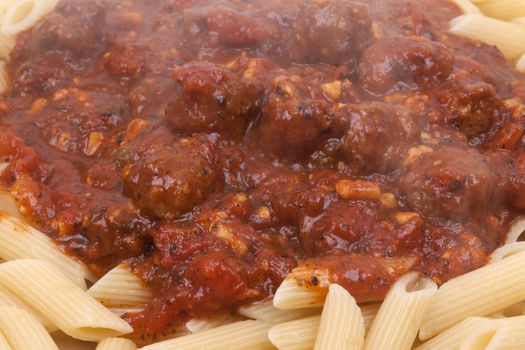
46, 290
116, 344
265, 311
399, 317
23, 14
342, 325
298, 292
503, 9
480, 292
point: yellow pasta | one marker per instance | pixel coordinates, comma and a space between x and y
4, 345
121, 288
520, 64
201, 325
510, 334
506, 251
467, 7
8, 203
243, 335
116, 344
119, 311
503, 9
481, 292
23, 331
21, 241
23, 14
342, 326
397, 321
516, 230
492, 31
46, 290
265, 311
4, 79
453, 337
298, 292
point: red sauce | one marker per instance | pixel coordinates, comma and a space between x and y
214, 145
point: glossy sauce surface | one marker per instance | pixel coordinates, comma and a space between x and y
215, 145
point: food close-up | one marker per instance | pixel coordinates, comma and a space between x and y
249, 174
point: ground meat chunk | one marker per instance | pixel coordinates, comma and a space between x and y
128, 62
391, 64
450, 183
510, 166
76, 25
376, 135
172, 180
471, 108
209, 98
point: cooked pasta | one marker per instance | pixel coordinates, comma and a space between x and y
399, 317
480, 292
46, 290
23, 14
295, 335
4, 79
4, 345
116, 344
503, 9
506, 251
16, 237
265, 311
520, 64
492, 31
7, 43
510, 334
201, 325
120, 288
342, 325
298, 292
23, 331
243, 335
516, 230
467, 7
452, 337
7, 202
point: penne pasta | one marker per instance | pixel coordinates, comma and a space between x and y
520, 64
452, 337
66, 305
119, 311
8, 203
243, 335
265, 311
467, 7
300, 334
121, 288
23, 14
491, 31
201, 325
503, 9
342, 325
399, 317
8, 298
4, 345
23, 331
510, 334
21, 241
298, 292
116, 344
4, 79
481, 292
519, 20
506, 251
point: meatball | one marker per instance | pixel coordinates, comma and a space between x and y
75, 25
127, 62
209, 98
172, 180
399, 63
450, 183
510, 166
376, 135
471, 108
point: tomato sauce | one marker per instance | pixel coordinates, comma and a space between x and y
215, 145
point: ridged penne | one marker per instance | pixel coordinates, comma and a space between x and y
243, 335
298, 291
467, 7
510, 334
23, 14
119, 311
121, 288
520, 64
300, 333
7, 201
8, 298
46, 290
481, 292
454, 336
503, 9
4, 79
265, 311
506, 251
491, 31
399, 317
116, 344
7, 43
200, 325
4, 345
517, 228
23, 331
342, 326
21, 241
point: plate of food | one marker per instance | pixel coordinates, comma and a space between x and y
249, 174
